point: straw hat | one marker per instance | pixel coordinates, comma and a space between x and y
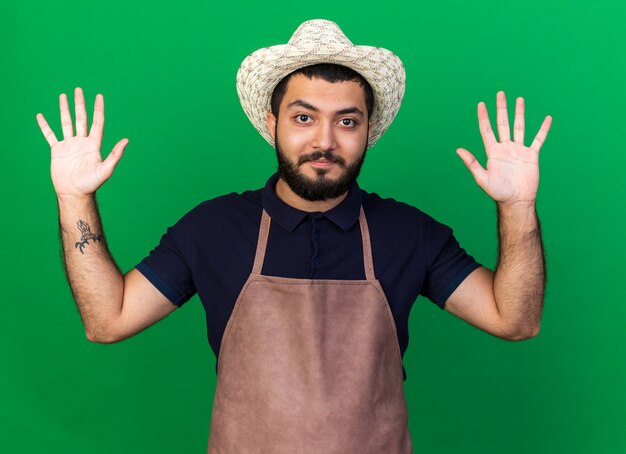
320, 41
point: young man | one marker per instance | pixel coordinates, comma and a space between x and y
308, 282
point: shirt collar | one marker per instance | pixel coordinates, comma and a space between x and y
343, 215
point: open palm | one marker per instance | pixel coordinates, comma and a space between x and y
512, 172
77, 167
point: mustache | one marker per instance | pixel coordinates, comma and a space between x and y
327, 155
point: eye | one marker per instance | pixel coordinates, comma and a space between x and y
349, 122
303, 118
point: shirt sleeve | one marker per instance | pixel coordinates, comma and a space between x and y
167, 265
448, 266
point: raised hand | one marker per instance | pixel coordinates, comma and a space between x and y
77, 167
512, 173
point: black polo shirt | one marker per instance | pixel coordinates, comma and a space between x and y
210, 251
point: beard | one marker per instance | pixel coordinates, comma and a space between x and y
321, 187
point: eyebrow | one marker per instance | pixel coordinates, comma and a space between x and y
306, 105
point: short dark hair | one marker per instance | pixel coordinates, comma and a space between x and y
329, 72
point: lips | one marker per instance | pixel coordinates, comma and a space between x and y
322, 159
322, 163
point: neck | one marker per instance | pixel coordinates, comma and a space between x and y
284, 193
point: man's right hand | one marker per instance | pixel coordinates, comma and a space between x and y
77, 167
112, 306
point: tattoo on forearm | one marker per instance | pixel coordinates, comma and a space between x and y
86, 235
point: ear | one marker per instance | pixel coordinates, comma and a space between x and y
271, 124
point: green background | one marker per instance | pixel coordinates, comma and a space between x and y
167, 70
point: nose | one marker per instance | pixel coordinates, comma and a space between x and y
324, 137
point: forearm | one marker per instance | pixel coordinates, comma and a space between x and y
519, 279
96, 282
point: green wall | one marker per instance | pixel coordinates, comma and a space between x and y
167, 70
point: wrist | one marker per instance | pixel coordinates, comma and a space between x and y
75, 198
518, 216
77, 204
516, 208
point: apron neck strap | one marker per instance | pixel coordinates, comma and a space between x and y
264, 231
261, 245
368, 261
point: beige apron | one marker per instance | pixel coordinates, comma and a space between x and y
310, 366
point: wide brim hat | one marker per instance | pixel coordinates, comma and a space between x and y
320, 41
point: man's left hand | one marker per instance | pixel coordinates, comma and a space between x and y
512, 173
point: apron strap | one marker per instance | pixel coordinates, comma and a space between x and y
264, 231
368, 261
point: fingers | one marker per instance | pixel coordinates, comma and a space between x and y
97, 127
114, 157
502, 118
47, 132
66, 117
485, 126
518, 125
81, 113
540, 138
477, 171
